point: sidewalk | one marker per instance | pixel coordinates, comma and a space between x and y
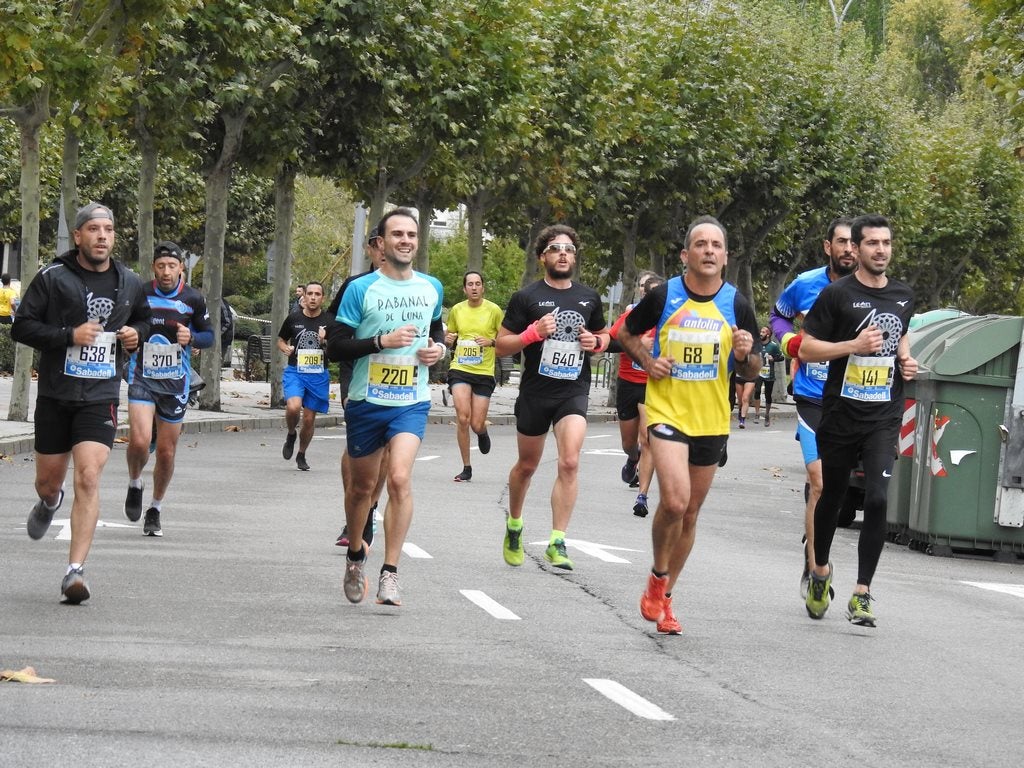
246, 405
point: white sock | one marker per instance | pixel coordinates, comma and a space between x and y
72, 567
156, 504
135, 482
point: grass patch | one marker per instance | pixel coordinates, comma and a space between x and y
381, 745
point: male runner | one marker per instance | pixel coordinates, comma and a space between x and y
809, 380
859, 324
306, 380
389, 322
771, 353
158, 380
629, 405
472, 330
556, 323
704, 328
78, 312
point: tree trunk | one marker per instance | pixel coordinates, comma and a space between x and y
380, 198
147, 193
425, 206
476, 205
629, 269
69, 175
284, 209
218, 187
29, 122
537, 223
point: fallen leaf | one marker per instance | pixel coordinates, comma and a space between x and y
26, 675
232, 428
120, 439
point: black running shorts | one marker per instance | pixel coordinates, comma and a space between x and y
536, 415
61, 425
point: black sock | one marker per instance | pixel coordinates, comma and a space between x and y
659, 575
389, 568
356, 556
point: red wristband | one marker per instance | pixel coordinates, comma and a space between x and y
530, 335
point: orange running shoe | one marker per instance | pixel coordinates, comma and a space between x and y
652, 601
668, 624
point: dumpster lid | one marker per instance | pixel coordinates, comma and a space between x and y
976, 344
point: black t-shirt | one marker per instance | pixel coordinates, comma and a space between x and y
302, 332
100, 295
869, 388
560, 360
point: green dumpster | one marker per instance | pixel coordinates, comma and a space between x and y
966, 490
927, 339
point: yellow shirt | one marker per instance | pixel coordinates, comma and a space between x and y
6, 304
467, 323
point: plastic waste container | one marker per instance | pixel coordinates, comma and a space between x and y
966, 487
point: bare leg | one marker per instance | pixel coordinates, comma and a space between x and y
90, 458
531, 449
569, 434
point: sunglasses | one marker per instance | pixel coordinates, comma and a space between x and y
556, 247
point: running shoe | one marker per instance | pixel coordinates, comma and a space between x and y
74, 590
652, 601
819, 595
513, 546
41, 516
757, 417
805, 577
133, 504
151, 527
355, 583
640, 507
858, 610
555, 554
289, 444
484, 441
342, 538
387, 589
743, 422
629, 471
668, 624
767, 421
464, 476
301, 463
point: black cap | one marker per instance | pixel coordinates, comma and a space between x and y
90, 212
374, 234
167, 248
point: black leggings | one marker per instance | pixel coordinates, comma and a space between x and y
878, 465
767, 385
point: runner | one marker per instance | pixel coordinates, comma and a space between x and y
771, 353
556, 323
638, 470
389, 322
158, 380
472, 329
306, 380
704, 328
79, 312
859, 324
809, 380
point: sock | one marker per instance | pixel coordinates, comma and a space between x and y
356, 556
53, 508
300, 455
556, 535
467, 468
641, 497
72, 567
389, 568
156, 504
135, 483
515, 523
659, 575
633, 455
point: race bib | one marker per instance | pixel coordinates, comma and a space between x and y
309, 360
868, 379
394, 378
561, 359
766, 367
93, 361
468, 352
161, 361
695, 354
817, 371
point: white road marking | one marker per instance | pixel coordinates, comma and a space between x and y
595, 437
592, 549
624, 697
65, 528
493, 607
1017, 590
605, 452
328, 437
413, 551
427, 458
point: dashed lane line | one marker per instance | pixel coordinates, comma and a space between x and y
492, 606
624, 697
1017, 590
413, 551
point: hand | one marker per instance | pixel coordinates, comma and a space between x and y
868, 341
184, 335
648, 341
450, 338
129, 338
588, 341
546, 325
86, 333
908, 367
742, 343
321, 333
289, 350
400, 337
483, 341
659, 367
431, 353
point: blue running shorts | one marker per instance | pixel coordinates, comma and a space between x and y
370, 427
313, 388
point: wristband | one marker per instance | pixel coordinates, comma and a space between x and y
791, 343
530, 335
376, 342
598, 343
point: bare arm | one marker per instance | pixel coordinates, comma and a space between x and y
867, 342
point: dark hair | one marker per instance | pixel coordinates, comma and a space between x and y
866, 221
550, 233
5, 278
471, 272
705, 220
313, 282
652, 280
382, 224
838, 221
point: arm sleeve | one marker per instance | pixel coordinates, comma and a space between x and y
202, 331
30, 326
342, 343
646, 314
437, 331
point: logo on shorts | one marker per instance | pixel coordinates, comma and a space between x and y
662, 429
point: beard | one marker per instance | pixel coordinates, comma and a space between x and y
96, 261
558, 274
841, 269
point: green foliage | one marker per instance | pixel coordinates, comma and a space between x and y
503, 266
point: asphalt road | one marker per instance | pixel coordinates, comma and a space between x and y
229, 642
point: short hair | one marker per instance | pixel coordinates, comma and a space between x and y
865, 222
705, 220
838, 221
301, 285
651, 281
550, 233
465, 277
314, 282
5, 278
382, 224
